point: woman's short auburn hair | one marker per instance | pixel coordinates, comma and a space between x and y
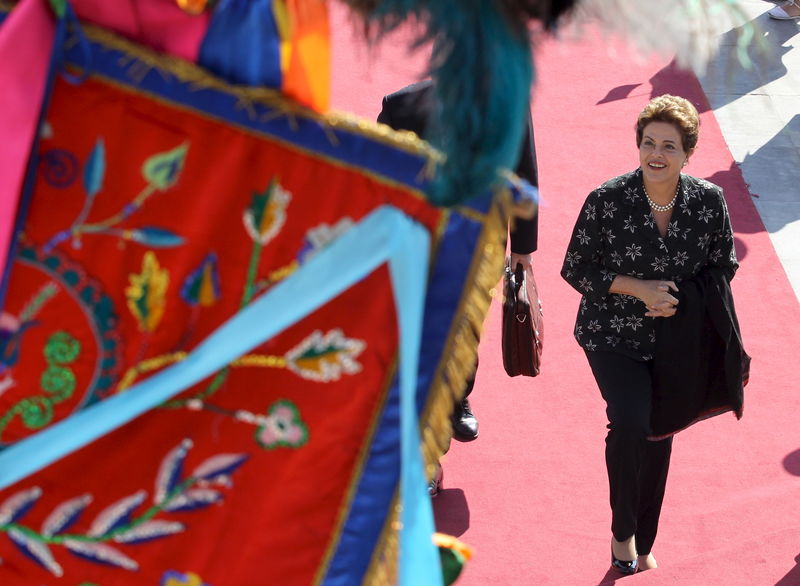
674, 110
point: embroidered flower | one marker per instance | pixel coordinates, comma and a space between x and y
319, 237
147, 292
617, 323
590, 211
282, 427
629, 225
594, 325
585, 284
608, 209
267, 213
583, 237
616, 258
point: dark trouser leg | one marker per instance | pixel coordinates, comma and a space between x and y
471, 379
652, 483
465, 425
637, 468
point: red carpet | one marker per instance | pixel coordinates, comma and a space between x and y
530, 494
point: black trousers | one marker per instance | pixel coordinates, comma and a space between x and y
637, 467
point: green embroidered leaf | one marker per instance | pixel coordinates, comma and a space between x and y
95, 169
201, 287
267, 213
163, 170
325, 357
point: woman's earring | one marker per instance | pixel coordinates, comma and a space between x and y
686, 162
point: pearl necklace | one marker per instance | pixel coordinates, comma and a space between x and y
659, 207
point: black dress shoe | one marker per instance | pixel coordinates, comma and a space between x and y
624, 566
465, 426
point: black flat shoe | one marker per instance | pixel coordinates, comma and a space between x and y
623, 566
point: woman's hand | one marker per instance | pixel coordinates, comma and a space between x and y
657, 298
654, 293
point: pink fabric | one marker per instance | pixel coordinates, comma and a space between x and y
27, 34
159, 24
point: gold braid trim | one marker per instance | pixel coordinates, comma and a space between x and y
456, 365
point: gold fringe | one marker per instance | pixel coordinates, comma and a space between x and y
456, 365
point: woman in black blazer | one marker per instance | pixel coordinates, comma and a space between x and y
639, 239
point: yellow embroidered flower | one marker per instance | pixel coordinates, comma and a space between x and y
146, 293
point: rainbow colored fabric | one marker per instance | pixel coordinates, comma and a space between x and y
166, 214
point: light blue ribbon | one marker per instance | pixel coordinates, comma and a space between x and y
386, 234
419, 558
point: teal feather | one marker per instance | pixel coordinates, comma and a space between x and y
482, 71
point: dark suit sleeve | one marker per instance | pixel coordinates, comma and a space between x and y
525, 233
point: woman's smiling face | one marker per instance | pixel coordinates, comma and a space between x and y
661, 153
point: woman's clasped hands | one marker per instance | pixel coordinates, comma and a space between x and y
657, 297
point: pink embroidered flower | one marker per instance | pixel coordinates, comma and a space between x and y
282, 427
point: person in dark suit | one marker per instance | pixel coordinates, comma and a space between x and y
410, 108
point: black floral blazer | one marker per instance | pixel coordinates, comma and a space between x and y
616, 234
